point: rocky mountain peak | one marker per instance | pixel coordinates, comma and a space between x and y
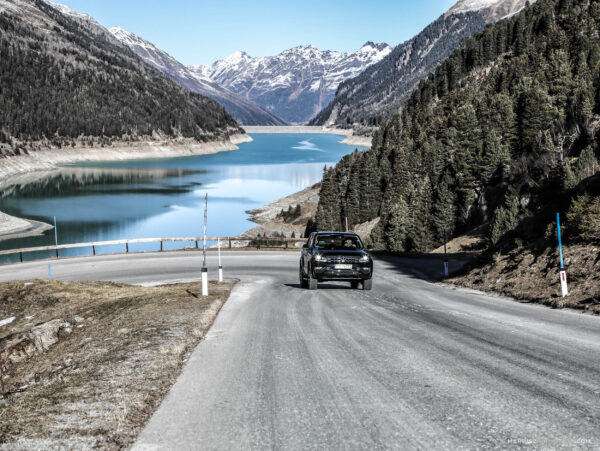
296, 83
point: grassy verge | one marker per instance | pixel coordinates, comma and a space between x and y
84, 365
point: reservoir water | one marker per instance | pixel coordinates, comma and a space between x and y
165, 197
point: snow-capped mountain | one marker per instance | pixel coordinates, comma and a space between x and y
492, 10
243, 110
297, 83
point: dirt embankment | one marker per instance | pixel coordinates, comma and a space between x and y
528, 275
84, 365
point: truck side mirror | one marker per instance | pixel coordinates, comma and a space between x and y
369, 248
305, 246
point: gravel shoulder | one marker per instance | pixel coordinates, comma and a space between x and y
84, 364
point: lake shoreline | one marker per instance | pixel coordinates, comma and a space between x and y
45, 160
13, 227
15, 167
350, 138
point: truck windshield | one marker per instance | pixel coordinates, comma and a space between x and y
336, 242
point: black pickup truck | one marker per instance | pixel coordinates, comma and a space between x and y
335, 256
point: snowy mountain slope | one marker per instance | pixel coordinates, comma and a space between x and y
295, 84
378, 92
243, 110
84, 19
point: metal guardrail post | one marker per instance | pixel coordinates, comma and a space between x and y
56, 252
161, 245
94, 249
229, 242
127, 248
21, 256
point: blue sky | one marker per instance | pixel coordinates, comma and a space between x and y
201, 32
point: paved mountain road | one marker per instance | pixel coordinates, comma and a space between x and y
408, 365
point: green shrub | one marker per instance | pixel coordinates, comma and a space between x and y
584, 218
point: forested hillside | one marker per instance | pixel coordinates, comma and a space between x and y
60, 81
504, 133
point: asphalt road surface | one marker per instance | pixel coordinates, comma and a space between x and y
408, 365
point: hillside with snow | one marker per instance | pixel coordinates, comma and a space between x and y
492, 10
242, 110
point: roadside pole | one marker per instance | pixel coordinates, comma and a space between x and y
220, 265
56, 237
204, 268
446, 268
55, 233
563, 273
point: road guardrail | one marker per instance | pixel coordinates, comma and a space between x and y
256, 242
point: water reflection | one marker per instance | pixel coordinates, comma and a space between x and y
161, 198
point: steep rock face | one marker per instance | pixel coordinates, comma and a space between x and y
244, 111
63, 80
297, 83
378, 92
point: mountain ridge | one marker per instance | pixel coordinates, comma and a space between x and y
296, 83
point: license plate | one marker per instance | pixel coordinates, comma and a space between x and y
343, 266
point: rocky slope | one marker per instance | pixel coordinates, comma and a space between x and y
297, 83
378, 92
243, 110
65, 81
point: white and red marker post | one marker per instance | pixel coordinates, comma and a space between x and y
563, 273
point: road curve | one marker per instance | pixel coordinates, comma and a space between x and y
408, 365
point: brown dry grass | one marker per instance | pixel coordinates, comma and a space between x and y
526, 275
99, 384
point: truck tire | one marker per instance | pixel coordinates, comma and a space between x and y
312, 283
303, 281
367, 284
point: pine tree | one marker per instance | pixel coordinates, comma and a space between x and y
444, 210
396, 226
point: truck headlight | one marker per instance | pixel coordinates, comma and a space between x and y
364, 258
319, 258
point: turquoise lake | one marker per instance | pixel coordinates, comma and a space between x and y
165, 197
